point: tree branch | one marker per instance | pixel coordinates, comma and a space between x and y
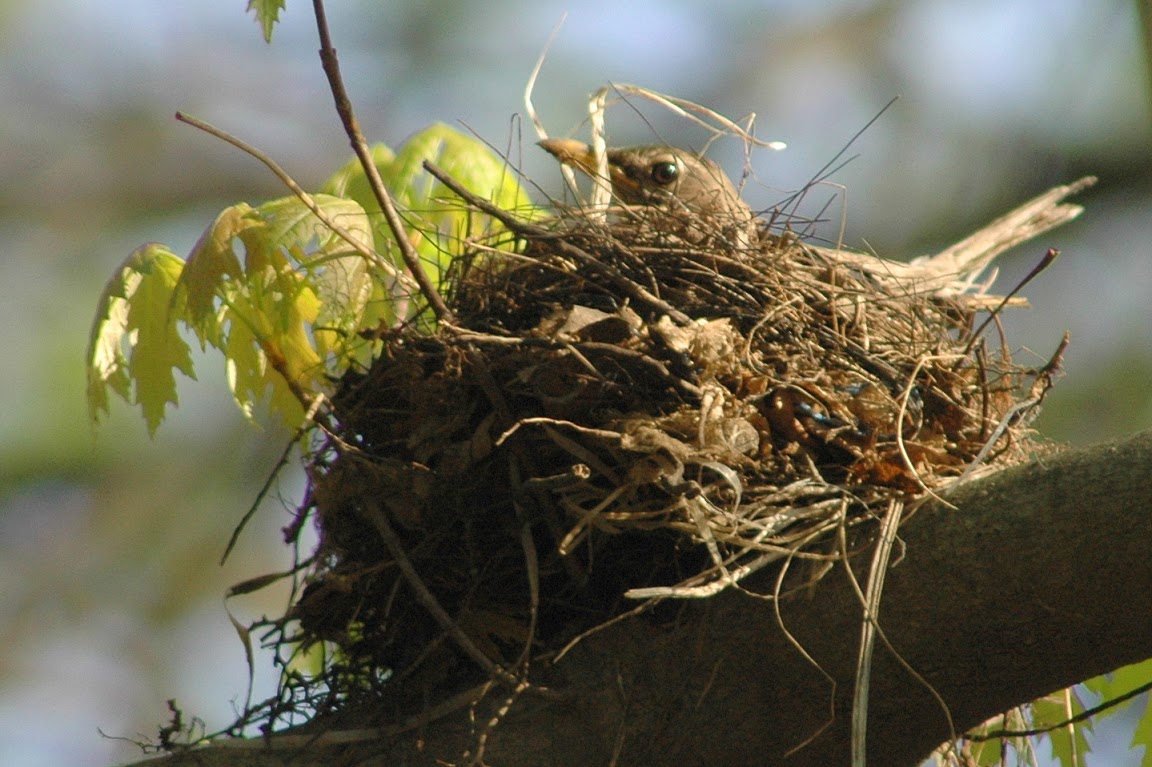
1028, 586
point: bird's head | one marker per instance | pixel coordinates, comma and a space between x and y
660, 176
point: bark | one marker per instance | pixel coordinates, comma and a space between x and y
1037, 580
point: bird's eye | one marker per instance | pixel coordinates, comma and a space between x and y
665, 172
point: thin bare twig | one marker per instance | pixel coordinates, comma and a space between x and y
378, 518
1084, 715
302, 195
360, 146
618, 281
1049, 256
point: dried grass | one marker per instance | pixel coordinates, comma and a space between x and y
635, 407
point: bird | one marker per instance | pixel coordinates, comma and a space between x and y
667, 178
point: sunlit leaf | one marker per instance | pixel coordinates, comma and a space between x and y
245, 363
342, 279
1122, 682
107, 361
987, 752
267, 350
310, 662
210, 264
134, 342
439, 215
438, 222
285, 292
267, 14
288, 221
350, 182
1069, 743
1143, 734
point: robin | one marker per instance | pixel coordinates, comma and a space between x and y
667, 178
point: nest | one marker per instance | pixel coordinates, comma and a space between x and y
628, 410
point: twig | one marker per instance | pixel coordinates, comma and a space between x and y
408, 252
871, 615
376, 515
302, 195
1084, 715
342, 737
530, 86
1036, 396
309, 416
1045, 262
563, 247
689, 110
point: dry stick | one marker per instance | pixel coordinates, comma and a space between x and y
482, 739
1086, 714
378, 517
618, 280
297, 190
1045, 262
331, 65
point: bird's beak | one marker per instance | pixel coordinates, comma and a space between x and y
571, 152
578, 155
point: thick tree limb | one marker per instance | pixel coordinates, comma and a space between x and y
1038, 579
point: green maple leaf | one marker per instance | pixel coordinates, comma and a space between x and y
267, 14
439, 223
134, 342
1069, 744
286, 288
1123, 681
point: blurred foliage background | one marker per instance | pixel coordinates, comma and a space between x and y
111, 596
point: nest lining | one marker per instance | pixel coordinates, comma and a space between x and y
632, 407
